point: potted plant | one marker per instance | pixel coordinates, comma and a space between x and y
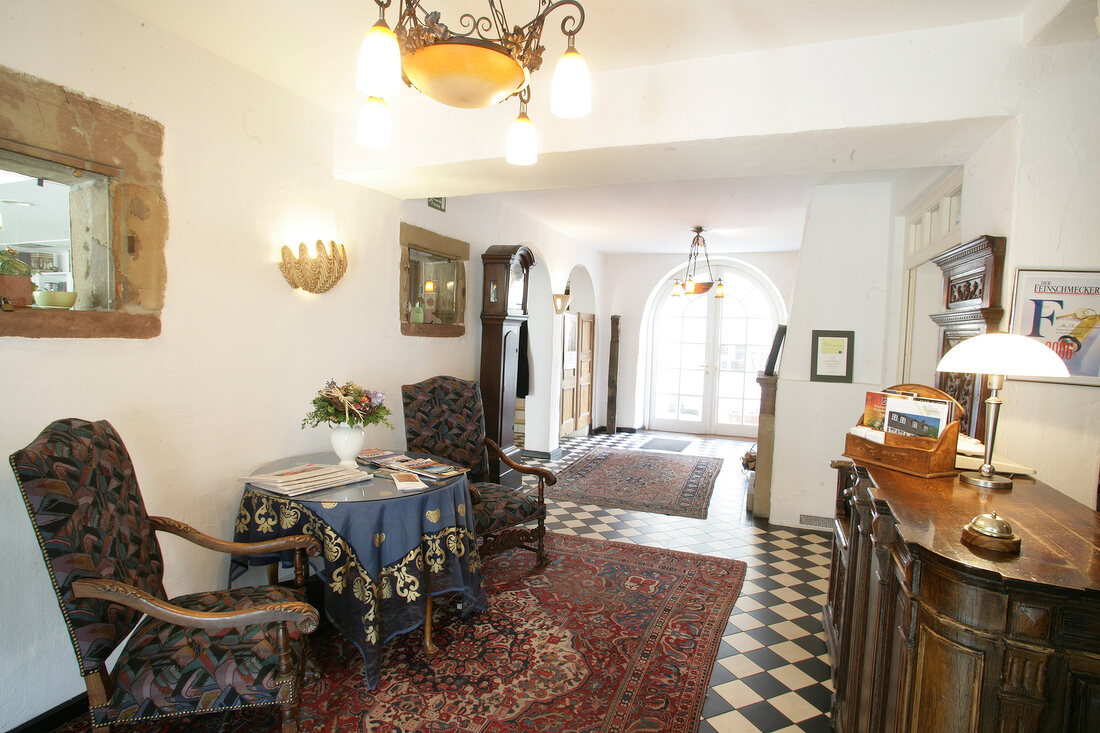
348, 409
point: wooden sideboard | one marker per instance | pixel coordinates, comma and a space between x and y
930, 636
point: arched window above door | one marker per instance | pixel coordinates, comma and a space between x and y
707, 352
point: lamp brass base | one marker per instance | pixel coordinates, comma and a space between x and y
995, 481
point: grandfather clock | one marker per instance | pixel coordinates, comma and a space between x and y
503, 314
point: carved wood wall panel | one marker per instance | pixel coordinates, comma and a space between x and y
972, 276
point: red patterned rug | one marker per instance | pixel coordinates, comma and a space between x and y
610, 637
664, 483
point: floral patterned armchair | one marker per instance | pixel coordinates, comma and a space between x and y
445, 417
202, 652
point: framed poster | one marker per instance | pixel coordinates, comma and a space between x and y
1061, 310
831, 355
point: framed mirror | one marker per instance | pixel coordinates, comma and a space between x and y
106, 239
433, 283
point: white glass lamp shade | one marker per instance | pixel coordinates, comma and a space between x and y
571, 91
1005, 354
677, 289
523, 146
379, 71
373, 128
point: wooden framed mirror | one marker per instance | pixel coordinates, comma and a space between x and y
432, 283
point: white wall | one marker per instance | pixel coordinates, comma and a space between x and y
1046, 204
842, 267
630, 284
247, 168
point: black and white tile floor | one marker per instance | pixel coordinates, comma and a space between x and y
772, 671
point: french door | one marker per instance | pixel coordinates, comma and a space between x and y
707, 352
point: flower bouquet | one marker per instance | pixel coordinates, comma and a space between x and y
349, 404
347, 409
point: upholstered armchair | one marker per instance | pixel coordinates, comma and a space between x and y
444, 416
198, 653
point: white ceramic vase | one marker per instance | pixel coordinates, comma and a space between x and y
347, 441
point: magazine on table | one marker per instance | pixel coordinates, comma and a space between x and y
401, 462
405, 481
925, 417
307, 477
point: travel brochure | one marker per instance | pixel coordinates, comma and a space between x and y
412, 464
904, 413
306, 478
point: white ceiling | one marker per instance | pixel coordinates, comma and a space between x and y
310, 49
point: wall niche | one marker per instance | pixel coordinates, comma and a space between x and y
61, 127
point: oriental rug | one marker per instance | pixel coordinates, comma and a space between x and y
610, 637
643, 481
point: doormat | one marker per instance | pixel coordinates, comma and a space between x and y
610, 637
639, 480
669, 444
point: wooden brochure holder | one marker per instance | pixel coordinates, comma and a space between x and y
925, 457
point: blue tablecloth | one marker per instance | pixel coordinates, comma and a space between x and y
380, 556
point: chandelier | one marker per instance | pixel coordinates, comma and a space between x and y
691, 284
482, 61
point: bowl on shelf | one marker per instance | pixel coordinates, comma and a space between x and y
54, 298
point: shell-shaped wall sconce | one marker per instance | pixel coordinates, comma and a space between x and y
314, 274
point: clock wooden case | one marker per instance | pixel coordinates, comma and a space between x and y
503, 313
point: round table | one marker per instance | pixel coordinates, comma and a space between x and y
384, 553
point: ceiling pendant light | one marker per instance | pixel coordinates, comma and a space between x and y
692, 285
373, 128
481, 61
571, 93
523, 148
379, 70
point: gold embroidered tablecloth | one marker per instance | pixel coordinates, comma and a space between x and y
380, 556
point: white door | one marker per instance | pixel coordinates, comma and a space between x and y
707, 352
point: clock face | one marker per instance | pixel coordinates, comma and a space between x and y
515, 286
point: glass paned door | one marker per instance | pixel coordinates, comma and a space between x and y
707, 353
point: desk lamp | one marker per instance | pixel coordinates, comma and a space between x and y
999, 355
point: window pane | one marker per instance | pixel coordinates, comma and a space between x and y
694, 331
731, 384
691, 409
729, 411
691, 382
665, 406
667, 381
693, 356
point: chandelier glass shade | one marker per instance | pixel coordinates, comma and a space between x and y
477, 63
691, 284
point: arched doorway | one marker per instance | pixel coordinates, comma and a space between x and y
707, 351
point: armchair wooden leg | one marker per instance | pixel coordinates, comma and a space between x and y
543, 558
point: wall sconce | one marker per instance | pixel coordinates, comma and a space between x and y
561, 302
314, 274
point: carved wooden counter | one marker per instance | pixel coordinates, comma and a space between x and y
929, 635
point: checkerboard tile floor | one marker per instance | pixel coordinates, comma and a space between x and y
772, 671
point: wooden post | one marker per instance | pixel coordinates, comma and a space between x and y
613, 376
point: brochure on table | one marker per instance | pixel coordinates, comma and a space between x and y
406, 463
306, 478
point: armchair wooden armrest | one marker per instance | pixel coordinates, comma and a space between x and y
292, 542
544, 474
301, 614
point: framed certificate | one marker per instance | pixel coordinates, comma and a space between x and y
831, 356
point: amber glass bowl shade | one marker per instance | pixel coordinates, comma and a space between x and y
467, 74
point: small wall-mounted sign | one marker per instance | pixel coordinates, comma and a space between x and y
438, 202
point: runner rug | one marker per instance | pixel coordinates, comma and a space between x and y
610, 637
664, 483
